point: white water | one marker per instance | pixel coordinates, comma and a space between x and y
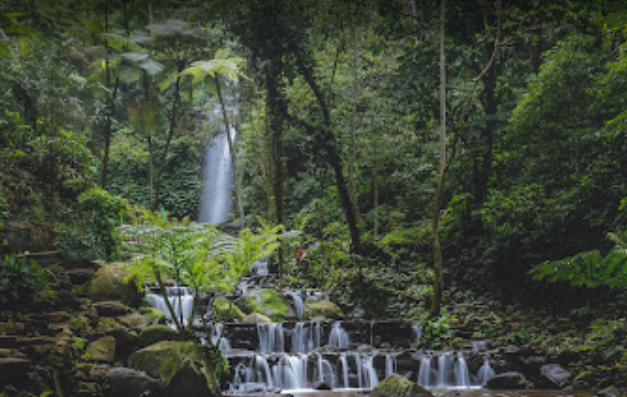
215, 204
271, 338
181, 299
485, 373
306, 337
299, 304
339, 337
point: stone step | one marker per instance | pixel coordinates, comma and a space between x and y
12, 328
13, 370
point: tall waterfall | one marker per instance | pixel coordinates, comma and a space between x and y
215, 203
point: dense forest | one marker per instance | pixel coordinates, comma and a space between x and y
459, 163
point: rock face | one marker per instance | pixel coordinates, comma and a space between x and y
181, 366
256, 318
399, 386
555, 376
109, 284
102, 350
127, 382
224, 310
157, 333
508, 380
321, 310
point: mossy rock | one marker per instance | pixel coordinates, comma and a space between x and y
181, 366
272, 304
102, 350
157, 316
109, 284
256, 318
157, 333
224, 310
321, 310
248, 304
127, 382
399, 386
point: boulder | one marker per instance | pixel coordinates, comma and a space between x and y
156, 333
321, 310
399, 386
508, 380
136, 321
610, 392
224, 310
111, 309
181, 366
554, 376
127, 382
256, 318
13, 370
102, 350
109, 284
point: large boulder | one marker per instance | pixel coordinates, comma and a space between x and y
396, 385
554, 376
157, 333
321, 310
224, 310
181, 366
127, 382
109, 284
508, 381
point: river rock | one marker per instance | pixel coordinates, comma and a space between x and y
157, 333
399, 386
321, 310
102, 350
554, 376
109, 284
610, 392
256, 318
111, 309
224, 310
127, 382
508, 380
181, 366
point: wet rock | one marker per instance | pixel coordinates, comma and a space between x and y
508, 380
102, 350
157, 333
111, 309
224, 310
181, 366
256, 318
108, 284
13, 371
127, 382
321, 310
610, 392
323, 386
398, 386
554, 376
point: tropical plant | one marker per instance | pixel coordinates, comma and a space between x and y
22, 282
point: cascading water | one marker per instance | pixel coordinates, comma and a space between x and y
181, 299
462, 376
218, 178
390, 364
271, 338
485, 373
424, 373
299, 304
339, 337
306, 337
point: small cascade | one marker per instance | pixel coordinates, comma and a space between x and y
424, 373
485, 373
299, 304
306, 337
417, 331
181, 299
462, 376
271, 338
339, 337
390, 364
260, 269
370, 374
445, 366
344, 364
218, 177
217, 337
326, 373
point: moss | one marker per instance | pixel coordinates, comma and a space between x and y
398, 386
271, 303
224, 310
153, 314
157, 333
256, 318
109, 284
320, 310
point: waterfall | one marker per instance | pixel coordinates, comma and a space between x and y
462, 377
370, 374
344, 364
181, 299
217, 337
390, 364
270, 337
215, 204
339, 337
445, 365
424, 373
417, 331
299, 305
306, 337
326, 373
485, 373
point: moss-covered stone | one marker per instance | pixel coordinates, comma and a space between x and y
109, 284
256, 318
271, 303
181, 366
102, 350
157, 316
127, 382
224, 310
399, 386
321, 310
156, 333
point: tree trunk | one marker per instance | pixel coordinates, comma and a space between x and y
438, 284
227, 127
353, 141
